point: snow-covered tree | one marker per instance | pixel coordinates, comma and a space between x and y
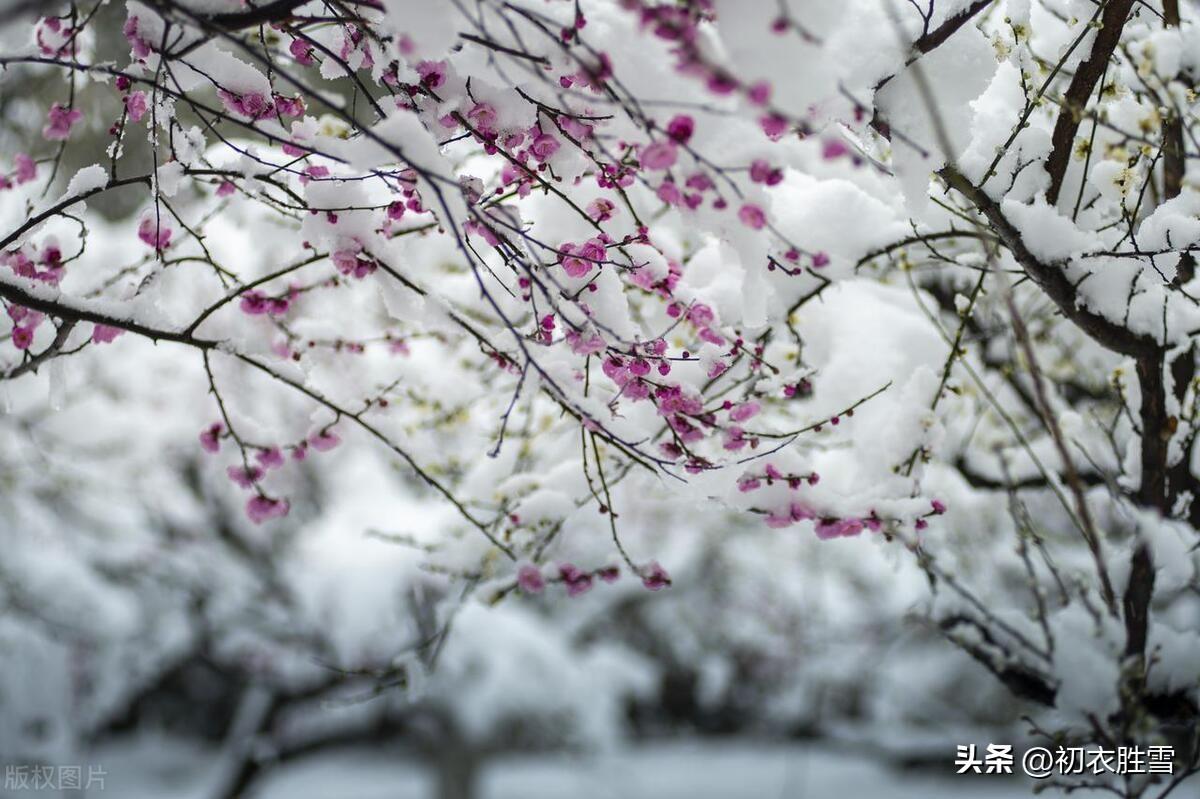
901, 277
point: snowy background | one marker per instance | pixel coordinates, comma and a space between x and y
217, 581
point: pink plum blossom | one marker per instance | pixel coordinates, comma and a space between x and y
210, 438
324, 440
104, 334
530, 580
289, 106
433, 73
577, 582
261, 509
748, 483
759, 93
659, 155
655, 577
744, 411
131, 30
544, 147
152, 234
59, 122
271, 458
774, 126
22, 337
135, 104
251, 105
26, 168
701, 315
302, 51
752, 216
762, 172
601, 209
483, 117
243, 476
680, 128
838, 528
833, 148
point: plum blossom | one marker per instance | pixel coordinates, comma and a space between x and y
578, 260
577, 581
669, 193
838, 528
530, 580
483, 117
251, 105
759, 93
581, 345
243, 476
680, 128
154, 234
270, 458
832, 149
25, 262
433, 73
748, 483
210, 438
701, 315
575, 128
302, 51
659, 155
655, 577
135, 105
744, 411
774, 126
262, 509
104, 334
289, 106
601, 209
350, 261
26, 168
59, 122
794, 512
752, 216
256, 303
131, 30
762, 172
52, 37
544, 147
314, 171
22, 337
324, 441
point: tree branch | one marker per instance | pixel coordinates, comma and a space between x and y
940, 34
273, 11
52, 303
1049, 277
1174, 165
1087, 75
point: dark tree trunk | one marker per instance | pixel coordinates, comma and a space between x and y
457, 771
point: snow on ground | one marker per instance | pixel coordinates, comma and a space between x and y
696, 769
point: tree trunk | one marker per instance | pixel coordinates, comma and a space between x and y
457, 769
